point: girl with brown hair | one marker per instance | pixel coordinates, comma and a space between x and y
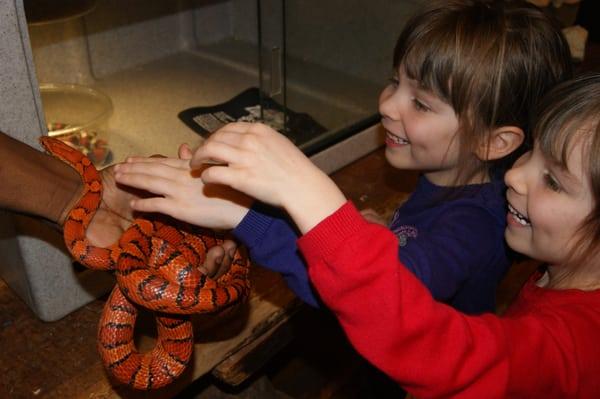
466, 75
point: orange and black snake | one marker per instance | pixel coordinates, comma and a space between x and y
156, 266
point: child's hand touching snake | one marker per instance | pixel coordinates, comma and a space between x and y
264, 164
116, 214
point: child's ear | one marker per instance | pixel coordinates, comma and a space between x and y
502, 141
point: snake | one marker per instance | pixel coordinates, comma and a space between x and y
155, 262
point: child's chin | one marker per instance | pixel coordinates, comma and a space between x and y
516, 243
398, 161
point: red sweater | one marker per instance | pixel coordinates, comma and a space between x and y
546, 346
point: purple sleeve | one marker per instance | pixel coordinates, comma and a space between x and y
460, 241
271, 240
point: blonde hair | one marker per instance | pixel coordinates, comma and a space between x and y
490, 60
569, 113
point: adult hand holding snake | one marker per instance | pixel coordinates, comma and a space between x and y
38, 184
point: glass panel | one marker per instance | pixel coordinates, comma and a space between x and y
316, 67
338, 57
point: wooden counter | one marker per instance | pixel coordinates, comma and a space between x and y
59, 359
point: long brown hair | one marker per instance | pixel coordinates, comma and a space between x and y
569, 113
490, 60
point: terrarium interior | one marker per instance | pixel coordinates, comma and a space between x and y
153, 59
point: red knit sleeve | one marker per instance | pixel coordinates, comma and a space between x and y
429, 348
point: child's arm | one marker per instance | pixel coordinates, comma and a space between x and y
271, 239
428, 347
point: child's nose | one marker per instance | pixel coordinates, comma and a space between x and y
515, 177
389, 105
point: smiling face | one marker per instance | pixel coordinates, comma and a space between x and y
421, 130
547, 204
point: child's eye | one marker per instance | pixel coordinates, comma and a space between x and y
551, 182
394, 81
419, 106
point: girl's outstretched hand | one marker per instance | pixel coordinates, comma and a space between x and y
181, 192
372, 216
257, 160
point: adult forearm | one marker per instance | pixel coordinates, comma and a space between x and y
35, 183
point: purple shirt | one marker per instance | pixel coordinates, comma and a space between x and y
451, 239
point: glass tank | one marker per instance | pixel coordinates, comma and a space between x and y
174, 71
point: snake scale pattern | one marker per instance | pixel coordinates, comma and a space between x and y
156, 266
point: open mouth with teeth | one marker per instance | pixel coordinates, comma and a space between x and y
522, 220
395, 140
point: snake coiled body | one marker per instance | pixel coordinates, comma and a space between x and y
156, 266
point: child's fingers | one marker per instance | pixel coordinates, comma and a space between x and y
234, 137
230, 247
369, 212
172, 162
153, 170
213, 150
219, 258
372, 216
185, 152
224, 266
213, 261
236, 127
148, 182
220, 175
155, 204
